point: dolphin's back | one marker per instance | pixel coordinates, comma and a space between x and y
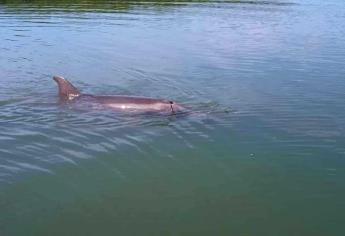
128, 99
68, 92
129, 102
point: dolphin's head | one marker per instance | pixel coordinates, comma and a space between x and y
173, 107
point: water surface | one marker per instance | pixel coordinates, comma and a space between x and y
263, 155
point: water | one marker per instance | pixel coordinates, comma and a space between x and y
263, 156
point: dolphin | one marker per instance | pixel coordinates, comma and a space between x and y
69, 93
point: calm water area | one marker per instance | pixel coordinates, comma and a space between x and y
263, 152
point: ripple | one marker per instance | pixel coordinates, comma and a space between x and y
42, 134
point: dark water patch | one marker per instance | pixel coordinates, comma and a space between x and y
9, 102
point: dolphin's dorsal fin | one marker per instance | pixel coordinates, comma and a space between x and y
66, 90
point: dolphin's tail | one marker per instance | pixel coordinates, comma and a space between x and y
66, 90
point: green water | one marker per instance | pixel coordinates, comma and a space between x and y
261, 154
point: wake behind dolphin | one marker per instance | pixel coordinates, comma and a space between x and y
67, 92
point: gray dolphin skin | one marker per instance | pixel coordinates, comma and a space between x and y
68, 93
